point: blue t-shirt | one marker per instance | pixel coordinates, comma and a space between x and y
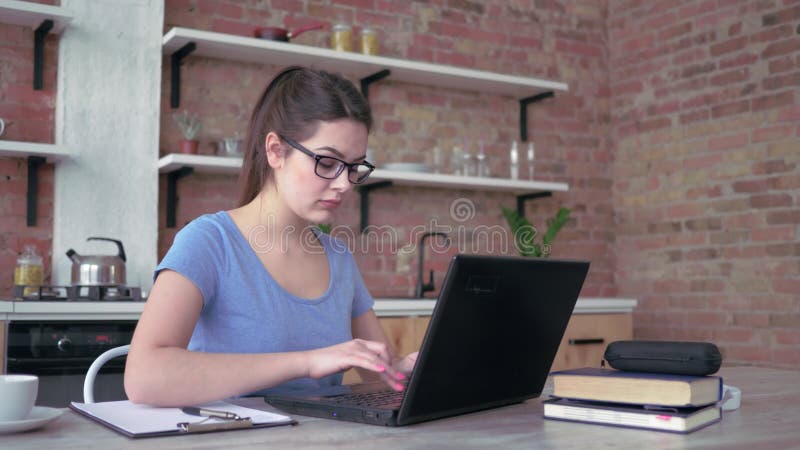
246, 311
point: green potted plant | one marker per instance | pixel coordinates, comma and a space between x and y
526, 236
190, 125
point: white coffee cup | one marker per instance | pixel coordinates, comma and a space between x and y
17, 396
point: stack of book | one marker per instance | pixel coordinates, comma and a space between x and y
677, 403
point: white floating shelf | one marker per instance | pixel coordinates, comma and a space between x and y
222, 164
32, 15
24, 149
200, 163
462, 182
238, 48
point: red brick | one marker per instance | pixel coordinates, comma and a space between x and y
630, 87
728, 46
231, 27
785, 217
579, 48
788, 80
785, 233
773, 166
696, 116
219, 9
728, 109
771, 200
782, 16
751, 319
742, 59
735, 335
675, 31
784, 319
707, 319
760, 185
782, 64
751, 354
733, 76
791, 45
728, 142
696, 8
789, 114
698, 69
772, 133
774, 100
292, 6
638, 43
454, 59
787, 337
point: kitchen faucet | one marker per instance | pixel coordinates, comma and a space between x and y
423, 288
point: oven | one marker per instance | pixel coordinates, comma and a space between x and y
55, 336
60, 353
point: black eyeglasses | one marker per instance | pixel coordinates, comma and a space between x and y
330, 168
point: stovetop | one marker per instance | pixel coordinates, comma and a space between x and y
78, 293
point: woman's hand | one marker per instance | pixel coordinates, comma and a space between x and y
370, 355
406, 364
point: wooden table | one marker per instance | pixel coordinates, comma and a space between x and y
768, 419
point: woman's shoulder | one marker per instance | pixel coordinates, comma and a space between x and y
217, 221
213, 226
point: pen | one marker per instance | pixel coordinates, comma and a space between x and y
202, 412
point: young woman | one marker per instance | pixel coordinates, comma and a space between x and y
254, 298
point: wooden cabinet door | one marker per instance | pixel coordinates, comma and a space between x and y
587, 336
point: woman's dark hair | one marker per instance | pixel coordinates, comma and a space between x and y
292, 105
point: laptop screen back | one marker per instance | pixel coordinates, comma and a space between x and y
494, 334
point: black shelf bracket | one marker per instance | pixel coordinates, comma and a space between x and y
33, 188
172, 192
177, 58
364, 192
523, 112
522, 198
375, 77
38, 53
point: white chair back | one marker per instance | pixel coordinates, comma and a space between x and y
88, 382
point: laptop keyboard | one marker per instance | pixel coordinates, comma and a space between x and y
382, 399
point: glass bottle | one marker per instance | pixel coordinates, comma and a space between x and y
342, 37
456, 160
483, 165
530, 160
29, 270
369, 41
514, 161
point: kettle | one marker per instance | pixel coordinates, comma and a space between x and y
98, 270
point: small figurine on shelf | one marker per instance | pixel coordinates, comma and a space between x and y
190, 125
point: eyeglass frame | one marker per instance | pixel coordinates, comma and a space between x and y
351, 167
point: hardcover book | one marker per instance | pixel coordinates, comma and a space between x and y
677, 420
637, 388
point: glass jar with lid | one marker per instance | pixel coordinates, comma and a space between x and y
369, 41
342, 37
28, 272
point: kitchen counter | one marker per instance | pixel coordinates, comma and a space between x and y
384, 307
767, 418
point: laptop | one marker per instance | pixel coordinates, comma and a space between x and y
491, 340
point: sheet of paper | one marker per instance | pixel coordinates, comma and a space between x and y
139, 419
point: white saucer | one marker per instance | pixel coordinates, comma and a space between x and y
40, 416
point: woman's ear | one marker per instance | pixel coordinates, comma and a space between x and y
274, 148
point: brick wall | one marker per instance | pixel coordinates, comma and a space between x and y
29, 117
706, 113
564, 41
682, 170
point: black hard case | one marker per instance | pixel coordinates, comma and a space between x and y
681, 358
